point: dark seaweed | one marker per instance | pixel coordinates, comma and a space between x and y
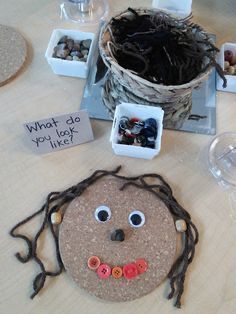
161, 49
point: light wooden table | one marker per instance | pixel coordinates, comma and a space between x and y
26, 178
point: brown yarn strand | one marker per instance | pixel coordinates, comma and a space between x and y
56, 200
190, 238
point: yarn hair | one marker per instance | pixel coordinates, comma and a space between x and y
56, 200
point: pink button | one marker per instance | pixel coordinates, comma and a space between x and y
104, 271
142, 265
93, 262
130, 271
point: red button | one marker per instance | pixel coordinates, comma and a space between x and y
130, 271
93, 262
133, 120
104, 271
142, 265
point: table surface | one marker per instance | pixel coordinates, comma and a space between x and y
26, 178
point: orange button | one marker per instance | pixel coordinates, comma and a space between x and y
94, 262
117, 272
142, 265
130, 271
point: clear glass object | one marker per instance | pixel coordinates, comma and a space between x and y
222, 159
84, 11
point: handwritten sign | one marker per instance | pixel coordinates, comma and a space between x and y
59, 132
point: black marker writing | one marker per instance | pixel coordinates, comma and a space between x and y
63, 133
59, 143
39, 126
41, 139
59, 132
72, 120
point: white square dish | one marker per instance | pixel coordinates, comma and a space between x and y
67, 67
141, 112
180, 9
231, 79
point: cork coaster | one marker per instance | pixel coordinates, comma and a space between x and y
82, 236
13, 51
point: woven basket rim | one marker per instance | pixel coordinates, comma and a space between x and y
110, 61
201, 77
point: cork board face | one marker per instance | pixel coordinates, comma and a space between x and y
13, 51
82, 236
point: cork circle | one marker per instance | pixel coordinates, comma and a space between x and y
13, 52
82, 236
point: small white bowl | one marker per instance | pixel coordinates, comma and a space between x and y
181, 8
66, 67
141, 112
231, 79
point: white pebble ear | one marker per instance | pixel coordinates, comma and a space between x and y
180, 225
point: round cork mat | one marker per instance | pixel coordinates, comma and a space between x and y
13, 51
82, 236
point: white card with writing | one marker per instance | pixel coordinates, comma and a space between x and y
59, 132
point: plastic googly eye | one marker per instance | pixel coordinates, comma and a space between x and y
136, 219
102, 213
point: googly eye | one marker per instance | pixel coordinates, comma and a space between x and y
136, 219
102, 213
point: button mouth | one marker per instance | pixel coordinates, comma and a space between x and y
128, 271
